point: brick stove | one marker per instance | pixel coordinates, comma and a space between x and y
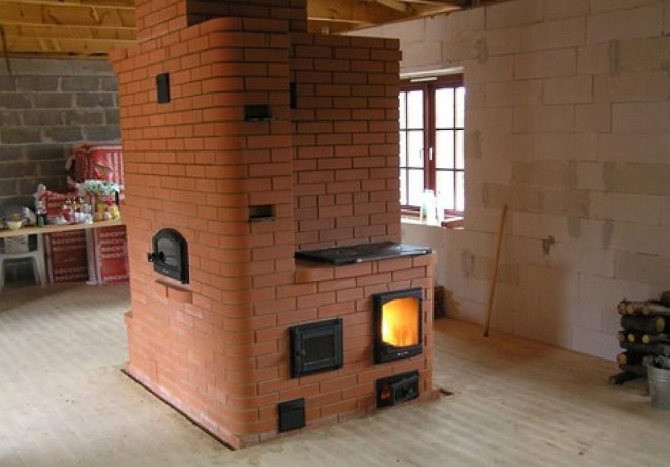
269, 141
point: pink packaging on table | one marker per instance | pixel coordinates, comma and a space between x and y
98, 162
66, 256
111, 255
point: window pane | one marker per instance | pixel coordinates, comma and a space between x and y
444, 108
445, 189
460, 191
403, 116
403, 186
403, 149
444, 149
460, 149
460, 107
414, 148
415, 187
415, 109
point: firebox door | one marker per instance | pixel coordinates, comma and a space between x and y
397, 321
316, 347
170, 255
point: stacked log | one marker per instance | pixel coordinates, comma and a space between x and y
647, 308
629, 358
645, 332
665, 298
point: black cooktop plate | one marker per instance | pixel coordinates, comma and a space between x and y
362, 253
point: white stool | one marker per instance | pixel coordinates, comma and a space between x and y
36, 257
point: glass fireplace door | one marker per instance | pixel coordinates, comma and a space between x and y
397, 318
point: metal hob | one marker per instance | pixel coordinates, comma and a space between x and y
362, 253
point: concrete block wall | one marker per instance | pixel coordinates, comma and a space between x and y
45, 109
568, 122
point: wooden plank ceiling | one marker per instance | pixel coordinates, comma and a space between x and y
91, 28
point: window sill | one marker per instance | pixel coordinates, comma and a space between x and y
450, 222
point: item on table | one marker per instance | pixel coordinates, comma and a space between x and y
14, 222
97, 161
116, 213
67, 213
41, 212
86, 213
98, 188
29, 217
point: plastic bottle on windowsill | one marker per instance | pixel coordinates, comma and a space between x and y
439, 205
428, 212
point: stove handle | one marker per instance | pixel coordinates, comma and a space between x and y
154, 257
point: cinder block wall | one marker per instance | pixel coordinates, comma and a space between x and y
568, 122
49, 106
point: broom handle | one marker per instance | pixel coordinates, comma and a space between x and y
492, 291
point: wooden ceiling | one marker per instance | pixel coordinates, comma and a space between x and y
91, 28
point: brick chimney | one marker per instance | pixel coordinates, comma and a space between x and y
271, 140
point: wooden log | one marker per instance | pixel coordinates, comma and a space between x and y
622, 377
665, 298
633, 337
655, 309
656, 338
644, 324
621, 336
621, 307
648, 349
639, 369
629, 358
646, 308
634, 308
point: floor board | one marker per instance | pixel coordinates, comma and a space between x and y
65, 402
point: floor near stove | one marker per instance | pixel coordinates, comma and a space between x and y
65, 402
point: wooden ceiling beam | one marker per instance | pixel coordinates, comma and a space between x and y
65, 15
370, 12
396, 5
433, 2
353, 22
79, 46
116, 4
6, 23
330, 17
94, 27
63, 32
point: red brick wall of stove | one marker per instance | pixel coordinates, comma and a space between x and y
217, 348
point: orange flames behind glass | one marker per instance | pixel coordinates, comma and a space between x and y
400, 322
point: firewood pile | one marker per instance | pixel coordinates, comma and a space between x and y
645, 333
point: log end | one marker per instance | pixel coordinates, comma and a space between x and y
660, 324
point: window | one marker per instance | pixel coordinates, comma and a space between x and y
432, 143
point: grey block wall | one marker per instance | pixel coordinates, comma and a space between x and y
48, 107
568, 123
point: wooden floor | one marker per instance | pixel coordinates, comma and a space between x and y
64, 402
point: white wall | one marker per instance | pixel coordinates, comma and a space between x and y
568, 122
